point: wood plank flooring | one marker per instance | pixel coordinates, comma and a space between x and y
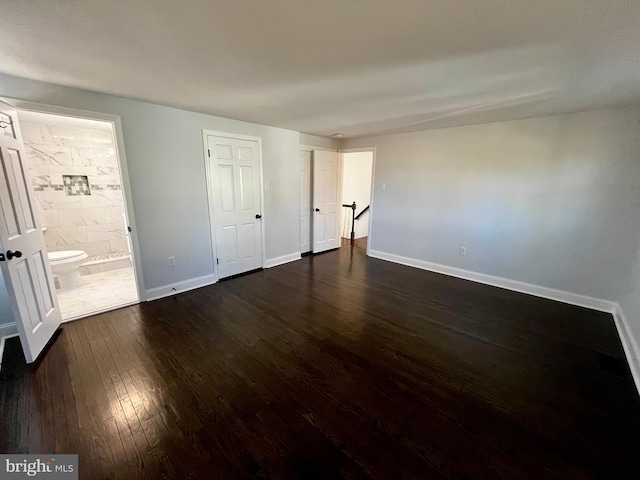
335, 366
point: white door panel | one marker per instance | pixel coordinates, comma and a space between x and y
320, 185
331, 222
227, 190
327, 193
27, 276
235, 187
246, 184
320, 228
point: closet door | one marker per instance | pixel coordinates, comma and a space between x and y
327, 195
234, 167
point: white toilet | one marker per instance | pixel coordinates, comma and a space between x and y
64, 266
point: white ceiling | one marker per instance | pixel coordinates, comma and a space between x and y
323, 66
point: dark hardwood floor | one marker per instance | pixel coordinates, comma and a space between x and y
333, 366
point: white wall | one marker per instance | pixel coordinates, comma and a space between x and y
356, 186
550, 201
166, 167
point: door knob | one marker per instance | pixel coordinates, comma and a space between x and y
258, 215
317, 209
11, 254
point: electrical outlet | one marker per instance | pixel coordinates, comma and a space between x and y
266, 185
172, 261
383, 187
463, 251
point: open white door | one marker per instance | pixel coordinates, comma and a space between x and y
327, 194
235, 197
24, 257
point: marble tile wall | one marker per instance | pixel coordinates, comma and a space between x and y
93, 223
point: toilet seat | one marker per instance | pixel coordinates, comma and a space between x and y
64, 266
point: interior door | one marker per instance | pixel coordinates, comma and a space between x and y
327, 193
24, 257
305, 201
234, 167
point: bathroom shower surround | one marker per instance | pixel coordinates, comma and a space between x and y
74, 171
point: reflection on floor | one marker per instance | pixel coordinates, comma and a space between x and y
100, 291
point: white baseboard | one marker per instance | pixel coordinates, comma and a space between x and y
8, 330
274, 262
516, 286
629, 344
179, 287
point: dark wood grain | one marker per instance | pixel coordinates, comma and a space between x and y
335, 366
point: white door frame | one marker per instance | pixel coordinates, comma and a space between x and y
116, 124
373, 184
205, 153
309, 148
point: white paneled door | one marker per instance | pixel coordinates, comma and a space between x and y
235, 196
327, 196
25, 266
305, 201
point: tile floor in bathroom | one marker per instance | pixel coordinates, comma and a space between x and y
100, 291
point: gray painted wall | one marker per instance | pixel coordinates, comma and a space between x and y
315, 141
6, 315
166, 168
550, 201
630, 301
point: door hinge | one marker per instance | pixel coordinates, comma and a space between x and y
217, 261
209, 152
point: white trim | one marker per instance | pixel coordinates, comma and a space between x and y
116, 126
205, 144
629, 343
310, 199
311, 148
179, 287
262, 205
291, 257
207, 176
234, 136
373, 185
8, 330
515, 285
356, 150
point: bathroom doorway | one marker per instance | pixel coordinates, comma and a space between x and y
77, 181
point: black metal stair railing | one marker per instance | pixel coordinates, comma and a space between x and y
365, 209
354, 217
